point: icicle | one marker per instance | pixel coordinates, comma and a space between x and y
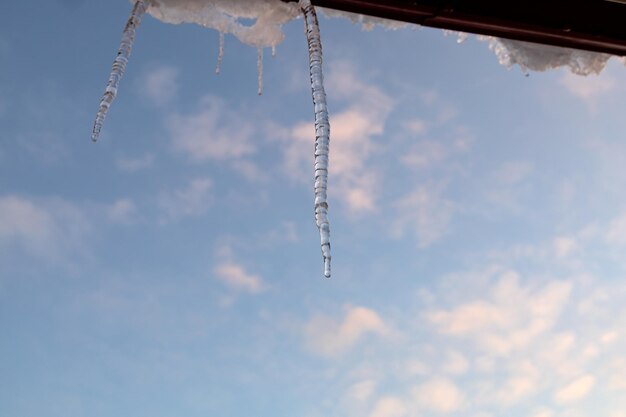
322, 128
220, 54
273, 51
259, 68
119, 64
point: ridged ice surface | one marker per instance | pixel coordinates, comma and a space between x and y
322, 129
119, 65
220, 54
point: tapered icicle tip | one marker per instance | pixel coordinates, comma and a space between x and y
119, 64
327, 267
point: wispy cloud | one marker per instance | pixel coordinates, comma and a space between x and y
214, 131
439, 395
389, 407
588, 88
122, 211
133, 164
193, 199
49, 229
575, 390
425, 213
236, 277
326, 336
159, 85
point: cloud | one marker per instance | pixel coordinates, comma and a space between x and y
508, 184
214, 132
353, 132
236, 277
389, 407
588, 88
159, 85
50, 229
328, 337
425, 213
439, 395
192, 200
122, 211
362, 390
575, 390
510, 320
135, 164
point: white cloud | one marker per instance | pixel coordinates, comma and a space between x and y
236, 277
328, 337
47, 228
416, 126
362, 391
135, 164
439, 395
455, 363
389, 407
353, 131
588, 88
513, 172
616, 233
511, 319
542, 412
564, 246
575, 390
213, 132
425, 154
424, 212
122, 211
191, 200
159, 85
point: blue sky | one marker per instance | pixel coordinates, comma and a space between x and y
478, 223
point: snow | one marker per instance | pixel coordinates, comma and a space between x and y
536, 57
226, 17
269, 15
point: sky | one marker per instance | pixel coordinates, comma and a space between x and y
173, 269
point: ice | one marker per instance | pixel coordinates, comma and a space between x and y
119, 64
536, 57
220, 54
322, 129
227, 16
259, 69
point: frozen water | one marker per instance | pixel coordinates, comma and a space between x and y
225, 16
269, 15
259, 69
119, 65
220, 54
322, 129
537, 57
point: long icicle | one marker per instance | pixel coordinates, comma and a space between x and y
259, 69
119, 64
322, 129
220, 54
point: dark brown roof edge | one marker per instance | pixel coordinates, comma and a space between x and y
593, 25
